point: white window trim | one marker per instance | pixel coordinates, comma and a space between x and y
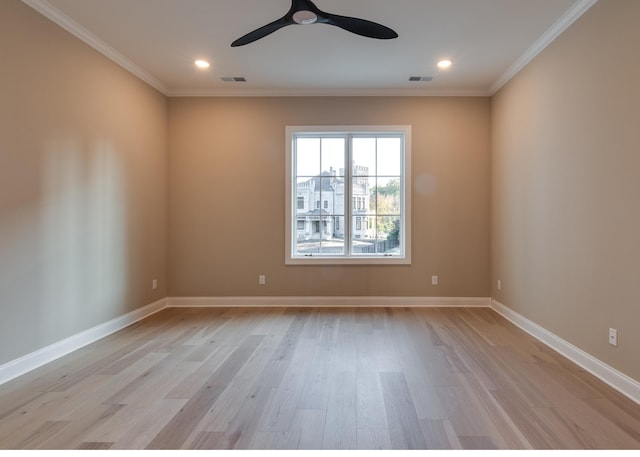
291, 208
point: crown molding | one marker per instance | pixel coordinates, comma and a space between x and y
52, 13
562, 24
64, 21
328, 93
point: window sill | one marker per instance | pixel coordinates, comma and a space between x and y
324, 260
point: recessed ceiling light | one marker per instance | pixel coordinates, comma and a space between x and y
202, 64
444, 64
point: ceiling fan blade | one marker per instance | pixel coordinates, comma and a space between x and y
306, 12
261, 32
359, 26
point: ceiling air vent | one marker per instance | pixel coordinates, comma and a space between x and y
232, 79
420, 78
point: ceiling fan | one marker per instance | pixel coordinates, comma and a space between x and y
305, 12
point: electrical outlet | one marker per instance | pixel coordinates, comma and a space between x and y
154, 284
434, 280
499, 284
262, 280
613, 337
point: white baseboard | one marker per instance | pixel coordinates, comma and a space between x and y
47, 354
329, 302
36, 359
619, 381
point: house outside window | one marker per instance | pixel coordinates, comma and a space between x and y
367, 166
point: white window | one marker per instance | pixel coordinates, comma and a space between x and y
365, 172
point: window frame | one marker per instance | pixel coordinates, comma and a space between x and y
404, 258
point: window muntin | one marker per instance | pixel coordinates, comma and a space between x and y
375, 226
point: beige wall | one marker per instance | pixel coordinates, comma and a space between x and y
566, 186
85, 177
83, 186
227, 197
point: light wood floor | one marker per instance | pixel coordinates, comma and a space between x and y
293, 378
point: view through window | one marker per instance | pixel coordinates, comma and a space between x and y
347, 196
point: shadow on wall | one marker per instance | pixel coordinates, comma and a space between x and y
82, 234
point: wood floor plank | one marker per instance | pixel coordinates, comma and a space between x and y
70, 436
241, 389
500, 423
282, 407
316, 386
426, 401
537, 432
80, 398
288, 343
42, 434
346, 342
341, 427
316, 378
405, 428
238, 324
619, 416
599, 426
176, 432
374, 439
273, 320
95, 446
270, 441
307, 430
207, 440
218, 355
224, 410
149, 421
25, 421
240, 429
102, 357
272, 372
154, 383
566, 434
384, 351
371, 412
126, 361
10, 405
477, 443
329, 327
244, 425
312, 325
462, 412
436, 435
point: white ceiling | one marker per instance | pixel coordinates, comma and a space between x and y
158, 40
